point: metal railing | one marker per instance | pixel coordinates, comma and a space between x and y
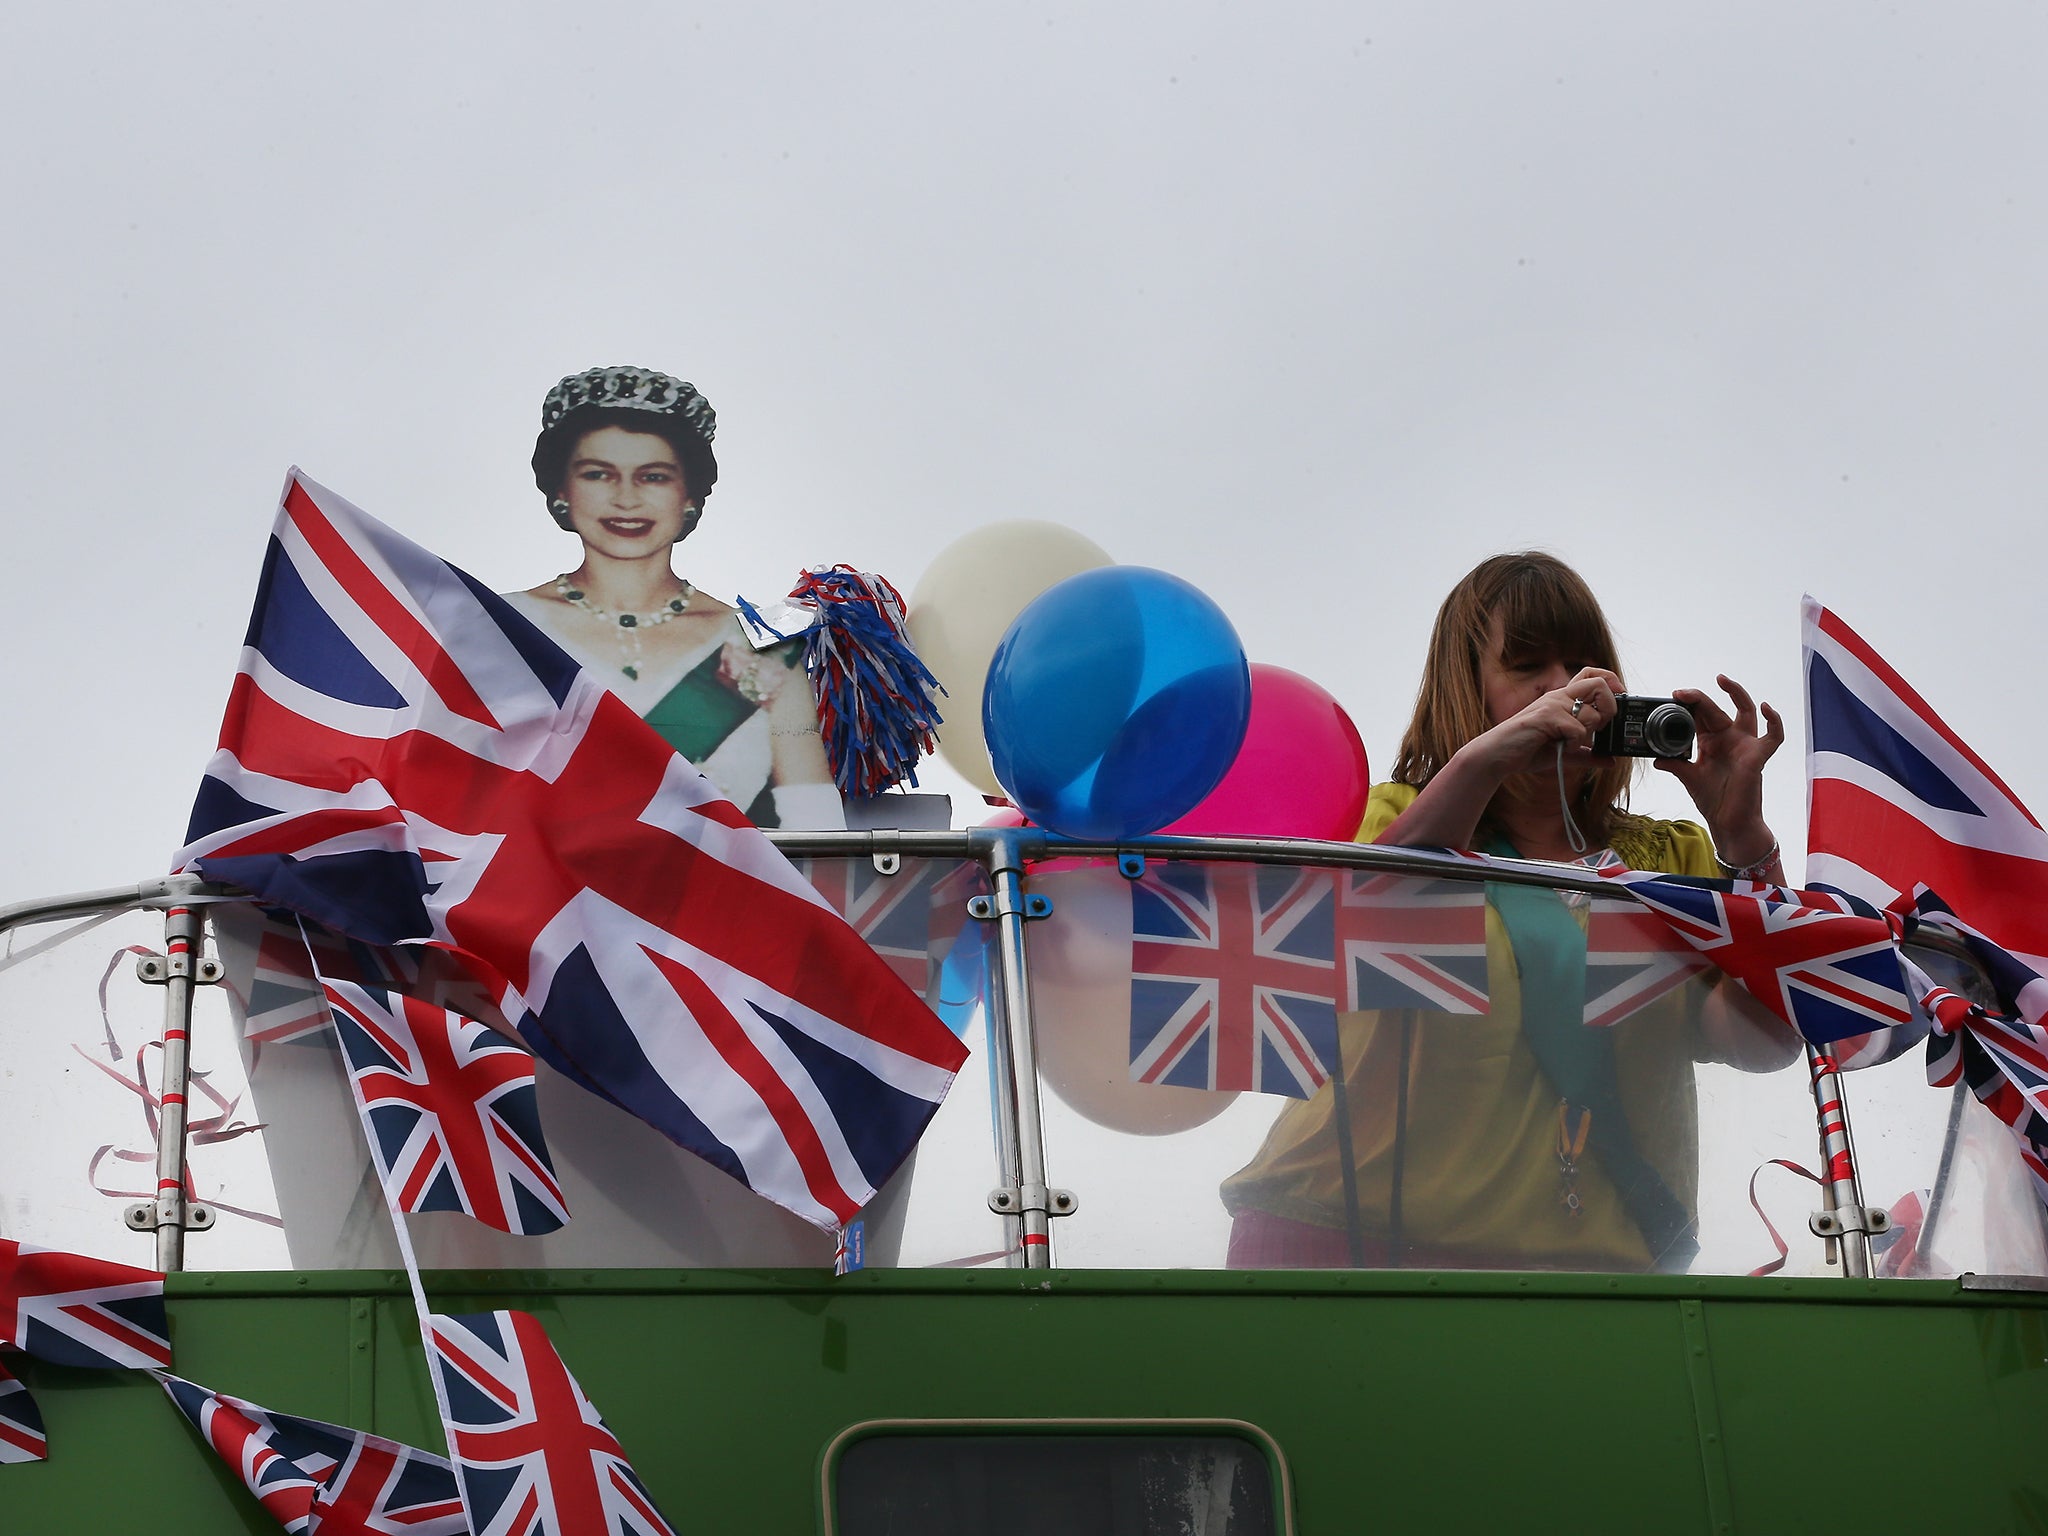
1023, 1198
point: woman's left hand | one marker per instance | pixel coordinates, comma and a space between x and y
1726, 779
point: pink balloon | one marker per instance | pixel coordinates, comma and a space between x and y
1300, 773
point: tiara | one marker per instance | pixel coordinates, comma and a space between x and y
632, 389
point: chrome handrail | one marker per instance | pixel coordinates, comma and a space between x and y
164, 891
1006, 854
1036, 846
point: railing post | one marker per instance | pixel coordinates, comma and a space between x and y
184, 935
1020, 1123
1844, 1218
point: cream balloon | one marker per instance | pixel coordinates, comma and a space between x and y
1081, 1003
967, 597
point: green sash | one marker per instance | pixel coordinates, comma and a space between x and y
1550, 953
700, 712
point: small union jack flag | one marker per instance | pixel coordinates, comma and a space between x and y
851, 1251
1233, 978
21, 1423
2001, 1053
284, 1488
2019, 985
533, 1454
362, 1483
390, 1489
273, 962
281, 998
2004, 1062
71, 1310
1825, 964
1412, 943
1632, 959
1869, 1048
892, 912
449, 1109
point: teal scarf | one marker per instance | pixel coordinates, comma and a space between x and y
1550, 954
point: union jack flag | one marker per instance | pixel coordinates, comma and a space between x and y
1901, 1251
1632, 959
21, 1423
1233, 978
1412, 943
285, 1489
361, 1483
2001, 1053
1870, 1048
2004, 1062
449, 1109
388, 1489
281, 998
1897, 800
71, 1310
1826, 965
269, 962
892, 912
408, 761
533, 1454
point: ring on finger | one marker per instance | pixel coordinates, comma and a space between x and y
1577, 705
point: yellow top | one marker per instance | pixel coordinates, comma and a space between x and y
1480, 1174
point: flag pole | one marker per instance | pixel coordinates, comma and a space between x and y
1937, 1197
1841, 1190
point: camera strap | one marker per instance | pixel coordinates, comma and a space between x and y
1574, 838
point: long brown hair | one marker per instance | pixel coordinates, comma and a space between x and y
1545, 610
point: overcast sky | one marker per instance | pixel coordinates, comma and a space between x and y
1312, 304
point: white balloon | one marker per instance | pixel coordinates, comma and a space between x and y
968, 596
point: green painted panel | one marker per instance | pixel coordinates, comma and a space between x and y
1399, 1402
1968, 1385
121, 1462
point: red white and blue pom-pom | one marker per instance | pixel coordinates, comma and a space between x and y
875, 705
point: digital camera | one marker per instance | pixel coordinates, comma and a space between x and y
1645, 727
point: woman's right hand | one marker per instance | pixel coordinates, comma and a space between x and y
1532, 710
1568, 713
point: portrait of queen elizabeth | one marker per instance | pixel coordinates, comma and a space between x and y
625, 461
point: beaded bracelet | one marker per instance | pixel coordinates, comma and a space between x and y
1748, 871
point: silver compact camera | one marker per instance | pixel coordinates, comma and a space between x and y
1645, 727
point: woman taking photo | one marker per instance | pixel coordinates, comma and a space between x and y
1522, 1139
624, 459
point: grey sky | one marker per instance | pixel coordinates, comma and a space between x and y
1313, 309
1719, 302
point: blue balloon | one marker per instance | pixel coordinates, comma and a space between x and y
1115, 703
964, 978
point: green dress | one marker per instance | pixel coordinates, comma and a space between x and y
700, 714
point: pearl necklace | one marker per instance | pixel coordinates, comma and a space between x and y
629, 624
